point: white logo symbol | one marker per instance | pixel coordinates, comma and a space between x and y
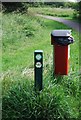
38, 64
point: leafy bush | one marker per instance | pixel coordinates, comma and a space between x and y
14, 6
80, 10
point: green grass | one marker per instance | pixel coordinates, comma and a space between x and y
22, 36
66, 13
53, 102
59, 99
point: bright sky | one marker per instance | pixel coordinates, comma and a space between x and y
61, 0
72, 0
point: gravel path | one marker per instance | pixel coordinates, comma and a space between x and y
69, 23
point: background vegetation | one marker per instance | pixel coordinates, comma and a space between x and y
60, 98
14, 6
23, 7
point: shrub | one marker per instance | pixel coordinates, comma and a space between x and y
14, 6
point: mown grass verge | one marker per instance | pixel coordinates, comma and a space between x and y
66, 13
59, 99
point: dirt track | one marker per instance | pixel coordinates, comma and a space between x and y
70, 23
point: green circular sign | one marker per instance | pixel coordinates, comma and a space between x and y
38, 56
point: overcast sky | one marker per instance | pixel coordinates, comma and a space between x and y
72, 0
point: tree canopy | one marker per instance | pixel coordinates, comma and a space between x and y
14, 6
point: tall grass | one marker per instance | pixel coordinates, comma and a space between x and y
59, 99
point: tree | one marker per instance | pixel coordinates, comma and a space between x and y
76, 10
14, 6
80, 10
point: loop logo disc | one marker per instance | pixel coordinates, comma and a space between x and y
38, 65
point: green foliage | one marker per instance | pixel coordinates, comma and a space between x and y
80, 10
77, 11
21, 36
14, 6
57, 12
53, 102
59, 99
54, 4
